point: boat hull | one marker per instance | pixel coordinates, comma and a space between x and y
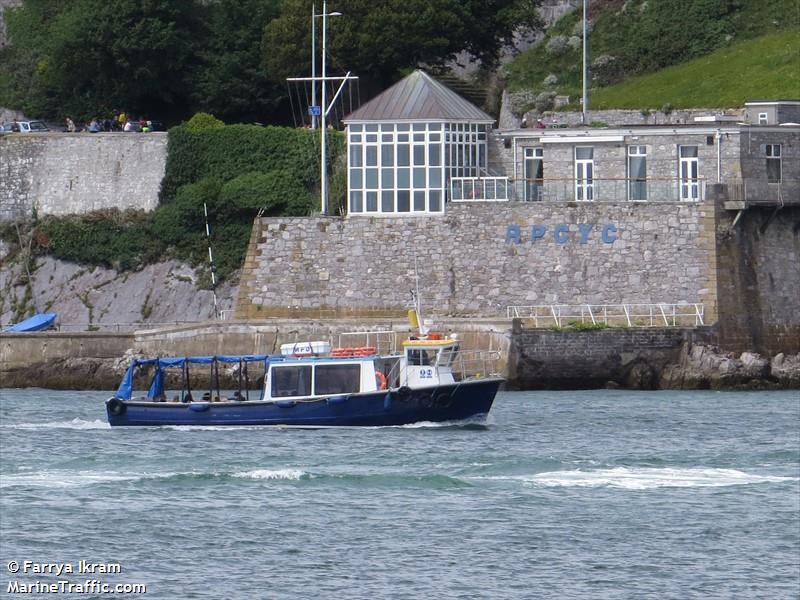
454, 402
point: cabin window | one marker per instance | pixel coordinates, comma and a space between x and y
448, 356
421, 357
292, 380
337, 379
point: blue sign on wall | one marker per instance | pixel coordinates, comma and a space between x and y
564, 233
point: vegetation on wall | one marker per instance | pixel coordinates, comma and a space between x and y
236, 172
642, 36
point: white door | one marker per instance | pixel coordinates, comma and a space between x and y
584, 174
689, 173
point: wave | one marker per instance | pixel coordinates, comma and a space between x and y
73, 424
291, 474
649, 478
475, 422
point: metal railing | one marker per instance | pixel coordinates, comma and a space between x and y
503, 189
474, 364
480, 189
610, 190
756, 192
619, 315
384, 341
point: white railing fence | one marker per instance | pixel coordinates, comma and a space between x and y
612, 315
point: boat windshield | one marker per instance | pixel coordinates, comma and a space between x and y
421, 356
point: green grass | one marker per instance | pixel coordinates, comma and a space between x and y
764, 68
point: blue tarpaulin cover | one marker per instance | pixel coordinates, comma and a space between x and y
125, 389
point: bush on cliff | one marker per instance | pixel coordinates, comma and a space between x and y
123, 241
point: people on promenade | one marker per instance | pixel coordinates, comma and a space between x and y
70, 125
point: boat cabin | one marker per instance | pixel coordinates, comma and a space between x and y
423, 363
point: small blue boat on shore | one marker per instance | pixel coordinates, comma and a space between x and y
35, 323
312, 385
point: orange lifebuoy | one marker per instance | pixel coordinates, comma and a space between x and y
381, 380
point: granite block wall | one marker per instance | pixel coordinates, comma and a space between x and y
62, 173
480, 258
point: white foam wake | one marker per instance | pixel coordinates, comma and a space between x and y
73, 424
291, 474
644, 478
52, 479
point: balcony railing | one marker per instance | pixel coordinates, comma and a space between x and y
473, 189
754, 192
480, 189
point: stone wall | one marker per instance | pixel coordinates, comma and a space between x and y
468, 264
542, 359
759, 280
62, 173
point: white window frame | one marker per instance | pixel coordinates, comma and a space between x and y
584, 175
636, 151
773, 152
763, 118
689, 174
533, 191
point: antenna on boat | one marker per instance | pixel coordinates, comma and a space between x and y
423, 330
211, 262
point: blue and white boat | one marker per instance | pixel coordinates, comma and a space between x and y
314, 385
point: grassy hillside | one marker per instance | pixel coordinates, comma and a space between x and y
765, 68
639, 37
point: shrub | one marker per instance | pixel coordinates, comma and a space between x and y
557, 45
201, 121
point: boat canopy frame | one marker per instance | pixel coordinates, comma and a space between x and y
125, 390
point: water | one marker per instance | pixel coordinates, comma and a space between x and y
603, 494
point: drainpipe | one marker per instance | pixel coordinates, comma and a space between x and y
719, 156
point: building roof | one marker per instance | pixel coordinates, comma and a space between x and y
418, 97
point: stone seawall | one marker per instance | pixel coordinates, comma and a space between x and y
542, 359
73, 173
481, 258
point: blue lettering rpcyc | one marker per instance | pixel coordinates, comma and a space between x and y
537, 232
513, 234
585, 229
561, 233
609, 233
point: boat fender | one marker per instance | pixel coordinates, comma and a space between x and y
199, 406
285, 403
403, 392
116, 407
387, 401
337, 399
381, 380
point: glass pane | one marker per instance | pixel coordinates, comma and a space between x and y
356, 178
372, 201
402, 155
387, 155
354, 127
387, 138
435, 177
435, 199
419, 178
434, 155
403, 127
688, 151
435, 137
419, 137
372, 179
356, 202
774, 170
371, 137
354, 139
387, 201
458, 190
372, 156
638, 167
291, 381
371, 127
403, 178
403, 201
419, 201
387, 127
584, 153
337, 379
355, 156
387, 179
418, 126
419, 155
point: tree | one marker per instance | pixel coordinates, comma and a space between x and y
377, 40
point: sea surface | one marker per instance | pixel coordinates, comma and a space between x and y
600, 494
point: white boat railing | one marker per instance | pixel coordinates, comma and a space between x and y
611, 315
475, 364
384, 341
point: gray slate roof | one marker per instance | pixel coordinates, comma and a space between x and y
418, 97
